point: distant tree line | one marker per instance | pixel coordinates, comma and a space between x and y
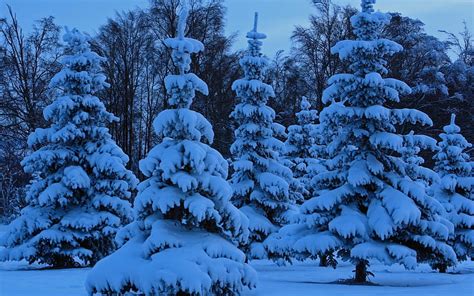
441, 74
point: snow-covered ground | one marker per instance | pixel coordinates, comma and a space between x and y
16, 279
309, 279
20, 279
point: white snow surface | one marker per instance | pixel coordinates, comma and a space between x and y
307, 278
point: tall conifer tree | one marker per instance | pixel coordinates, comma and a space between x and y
80, 194
371, 208
260, 181
456, 187
183, 239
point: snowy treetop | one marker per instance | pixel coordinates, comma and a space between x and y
254, 63
81, 73
306, 115
182, 87
182, 123
451, 159
183, 47
368, 24
367, 5
76, 107
254, 34
452, 128
452, 136
368, 48
305, 104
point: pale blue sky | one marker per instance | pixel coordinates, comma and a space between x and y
277, 17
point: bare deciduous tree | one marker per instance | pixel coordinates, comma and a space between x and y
27, 63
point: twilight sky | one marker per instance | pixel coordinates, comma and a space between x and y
277, 17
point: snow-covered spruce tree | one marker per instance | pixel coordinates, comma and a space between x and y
371, 208
260, 181
182, 242
80, 195
412, 145
299, 146
455, 190
321, 135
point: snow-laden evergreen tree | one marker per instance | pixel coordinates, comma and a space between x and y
183, 241
260, 181
299, 146
412, 145
371, 208
455, 190
80, 194
321, 134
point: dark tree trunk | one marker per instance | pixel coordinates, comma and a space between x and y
361, 272
323, 260
442, 268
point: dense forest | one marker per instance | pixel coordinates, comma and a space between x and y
439, 71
